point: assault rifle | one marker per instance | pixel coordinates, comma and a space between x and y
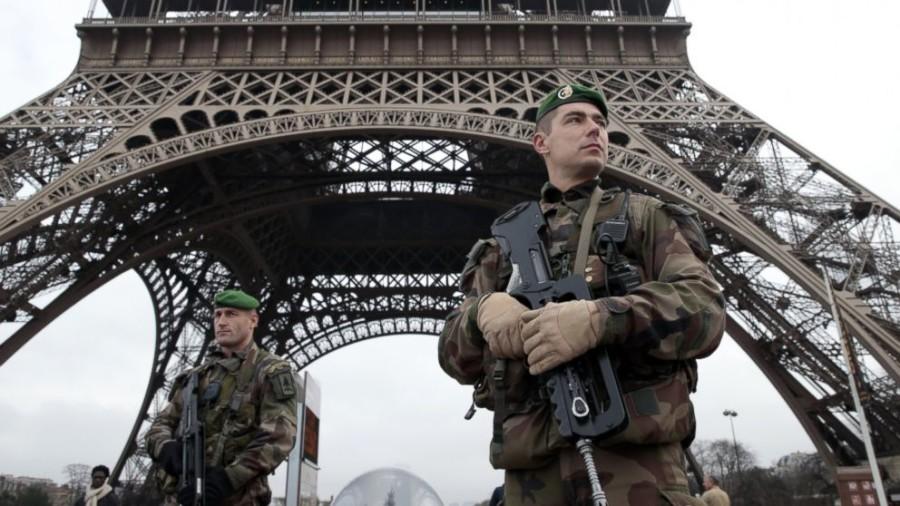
585, 393
191, 432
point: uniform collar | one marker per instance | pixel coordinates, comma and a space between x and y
233, 362
553, 195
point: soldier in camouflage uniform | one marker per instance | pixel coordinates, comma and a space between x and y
248, 410
654, 333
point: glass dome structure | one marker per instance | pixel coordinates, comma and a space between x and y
388, 487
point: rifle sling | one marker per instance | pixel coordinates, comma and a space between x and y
584, 236
500, 408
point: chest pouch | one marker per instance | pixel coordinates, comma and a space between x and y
609, 237
211, 393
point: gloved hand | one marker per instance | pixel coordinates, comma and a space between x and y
558, 333
500, 323
218, 486
170, 457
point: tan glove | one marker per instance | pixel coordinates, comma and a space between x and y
499, 318
558, 333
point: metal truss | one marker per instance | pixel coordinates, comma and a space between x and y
347, 199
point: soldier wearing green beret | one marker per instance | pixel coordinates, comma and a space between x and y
670, 315
248, 411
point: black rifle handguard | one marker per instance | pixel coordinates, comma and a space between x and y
193, 456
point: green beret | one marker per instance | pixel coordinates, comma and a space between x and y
236, 299
568, 94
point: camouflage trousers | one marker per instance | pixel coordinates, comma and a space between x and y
631, 475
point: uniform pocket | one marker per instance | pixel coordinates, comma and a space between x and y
658, 413
530, 440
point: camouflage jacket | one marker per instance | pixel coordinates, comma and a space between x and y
249, 442
654, 332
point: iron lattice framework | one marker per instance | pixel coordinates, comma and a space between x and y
340, 159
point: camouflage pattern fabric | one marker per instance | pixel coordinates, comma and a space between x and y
655, 333
631, 475
249, 443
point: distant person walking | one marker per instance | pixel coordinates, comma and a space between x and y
714, 496
100, 492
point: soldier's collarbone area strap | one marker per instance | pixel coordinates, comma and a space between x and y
584, 235
614, 231
610, 236
245, 377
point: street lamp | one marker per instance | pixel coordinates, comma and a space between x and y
730, 413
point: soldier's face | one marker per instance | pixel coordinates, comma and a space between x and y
234, 327
577, 145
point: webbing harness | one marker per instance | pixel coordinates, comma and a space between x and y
245, 376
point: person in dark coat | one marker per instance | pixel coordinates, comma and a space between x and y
100, 492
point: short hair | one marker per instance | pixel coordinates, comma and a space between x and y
713, 479
101, 468
546, 122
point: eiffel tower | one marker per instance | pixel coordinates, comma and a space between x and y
339, 157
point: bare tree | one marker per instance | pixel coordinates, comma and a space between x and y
722, 459
79, 477
759, 486
807, 477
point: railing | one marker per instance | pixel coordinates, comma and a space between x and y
381, 16
380, 60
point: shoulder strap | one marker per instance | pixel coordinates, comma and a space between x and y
584, 236
245, 375
500, 411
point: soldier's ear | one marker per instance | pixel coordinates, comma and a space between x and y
539, 143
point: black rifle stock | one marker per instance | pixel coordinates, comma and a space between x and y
585, 392
191, 432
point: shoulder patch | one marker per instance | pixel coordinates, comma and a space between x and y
283, 384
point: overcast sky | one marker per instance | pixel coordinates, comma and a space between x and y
816, 70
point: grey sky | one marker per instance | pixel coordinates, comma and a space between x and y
814, 69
